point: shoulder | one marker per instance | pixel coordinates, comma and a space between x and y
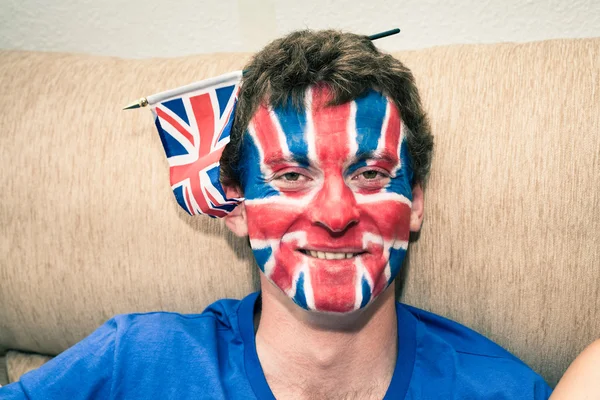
468, 363
462, 339
220, 315
132, 355
582, 379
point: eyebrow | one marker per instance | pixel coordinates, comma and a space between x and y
292, 159
384, 156
303, 160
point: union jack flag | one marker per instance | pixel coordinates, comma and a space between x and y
194, 123
374, 226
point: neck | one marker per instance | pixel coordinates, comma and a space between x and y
322, 355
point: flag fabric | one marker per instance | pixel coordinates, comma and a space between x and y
194, 124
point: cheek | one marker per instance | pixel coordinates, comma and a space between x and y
270, 221
392, 219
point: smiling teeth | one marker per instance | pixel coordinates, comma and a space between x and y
330, 256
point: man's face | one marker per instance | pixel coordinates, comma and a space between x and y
328, 199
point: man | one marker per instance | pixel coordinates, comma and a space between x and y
331, 149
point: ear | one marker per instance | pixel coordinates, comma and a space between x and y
236, 220
416, 214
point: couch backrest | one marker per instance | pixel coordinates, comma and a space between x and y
510, 245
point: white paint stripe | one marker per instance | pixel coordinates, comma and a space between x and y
358, 283
351, 131
310, 126
260, 244
400, 141
381, 196
269, 265
369, 237
283, 200
382, 138
308, 289
362, 272
400, 244
388, 271
297, 236
402, 134
291, 292
273, 244
367, 276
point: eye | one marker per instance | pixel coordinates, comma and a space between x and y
372, 174
294, 180
370, 179
291, 176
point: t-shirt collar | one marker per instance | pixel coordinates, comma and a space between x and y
407, 345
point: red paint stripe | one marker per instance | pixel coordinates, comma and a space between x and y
267, 136
333, 288
392, 218
334, 205
268, 221
330, 126
281, 277
287, 263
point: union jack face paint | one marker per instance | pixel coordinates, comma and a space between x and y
328, 198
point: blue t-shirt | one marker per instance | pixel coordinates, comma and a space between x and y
162, 355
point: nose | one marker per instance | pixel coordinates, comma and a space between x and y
334, 207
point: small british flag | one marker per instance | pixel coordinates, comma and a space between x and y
194, 123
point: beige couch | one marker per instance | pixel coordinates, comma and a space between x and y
511, 240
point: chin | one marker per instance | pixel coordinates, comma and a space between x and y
337, 290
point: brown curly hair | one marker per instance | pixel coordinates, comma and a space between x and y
350, 65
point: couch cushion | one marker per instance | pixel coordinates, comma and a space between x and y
509, 246
19, 363
3, 372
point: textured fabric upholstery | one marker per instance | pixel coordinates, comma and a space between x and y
3, 372
510, 244
18, 363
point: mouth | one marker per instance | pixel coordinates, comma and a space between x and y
329, 255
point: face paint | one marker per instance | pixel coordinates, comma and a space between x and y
328, 198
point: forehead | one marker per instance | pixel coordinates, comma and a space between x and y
368, 124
